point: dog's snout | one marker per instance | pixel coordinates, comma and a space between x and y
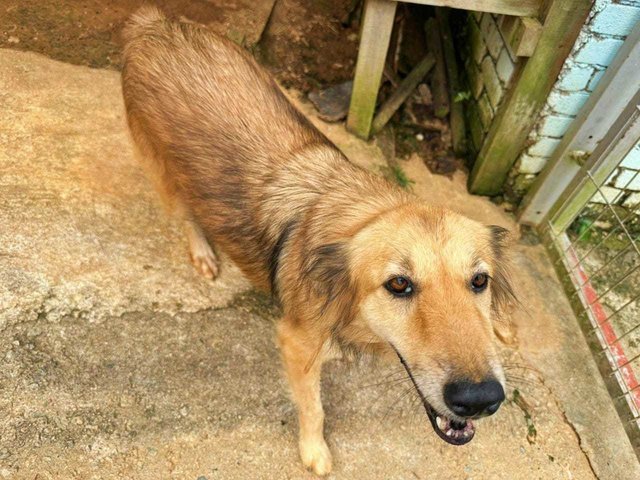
469, 399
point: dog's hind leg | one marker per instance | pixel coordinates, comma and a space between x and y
303, 355
201, 253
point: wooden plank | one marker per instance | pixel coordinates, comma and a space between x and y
519, 110
403, 91
611, 150
519, 8
615, 91
521, 34
456, 113
377, 25
439, 75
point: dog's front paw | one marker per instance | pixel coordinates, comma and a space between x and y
316, 456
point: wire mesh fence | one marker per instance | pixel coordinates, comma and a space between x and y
599, 250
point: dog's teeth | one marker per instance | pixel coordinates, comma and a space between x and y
440, 422
466, 433
449, 432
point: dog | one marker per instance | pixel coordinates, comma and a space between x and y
356, 263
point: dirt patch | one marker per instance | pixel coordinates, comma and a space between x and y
317, 41
88, 32
310, 43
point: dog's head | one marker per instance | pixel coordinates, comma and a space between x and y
430, 283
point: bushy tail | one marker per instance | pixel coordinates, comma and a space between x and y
143, 18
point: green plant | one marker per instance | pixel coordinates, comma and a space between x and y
398, 175
461, 96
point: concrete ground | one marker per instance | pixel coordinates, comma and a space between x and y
118, 361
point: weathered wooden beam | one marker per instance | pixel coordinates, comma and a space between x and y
403, 91
519, 8
439, 75
520, 108
375, 34
521, 34
456, 113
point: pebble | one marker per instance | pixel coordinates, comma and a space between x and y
419, 137
13, 39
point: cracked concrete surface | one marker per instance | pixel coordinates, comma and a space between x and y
118, 361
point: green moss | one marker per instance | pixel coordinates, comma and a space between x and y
520, 402
396, 174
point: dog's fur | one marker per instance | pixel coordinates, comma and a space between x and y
250, 174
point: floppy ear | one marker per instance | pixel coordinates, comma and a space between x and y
503, 297
326, 269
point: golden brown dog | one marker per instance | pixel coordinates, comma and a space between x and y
356, 263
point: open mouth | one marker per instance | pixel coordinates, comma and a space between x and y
451, 431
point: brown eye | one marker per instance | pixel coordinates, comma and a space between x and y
479, 282
399, 286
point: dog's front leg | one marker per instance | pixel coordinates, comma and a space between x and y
302, 355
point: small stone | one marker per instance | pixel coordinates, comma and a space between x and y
332, 103
419, 137
352, 37
184, 411
13, 39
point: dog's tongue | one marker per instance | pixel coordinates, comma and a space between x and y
453, 432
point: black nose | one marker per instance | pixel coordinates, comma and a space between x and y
468, 399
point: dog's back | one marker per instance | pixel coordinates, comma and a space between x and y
193, 82
226, 144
